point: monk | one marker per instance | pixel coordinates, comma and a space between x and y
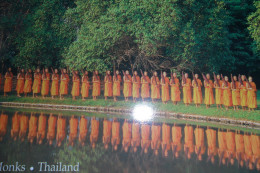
197, 94
83, 130
116, 85
64, 81
108, 85
248, 151
155, 87
156, 138
20, 83
115, 139
96, 85
209, 96
243, 92
73, 130
145, 142
165, 88
227, 95
15, 126
176, 140
186, 84
94, 132
32, 128
235, 93
218, 92
136, 80
127, 85
200, 147
222, 144
251, 94
107, 127
61, 130
212, 145
24, 122
46, 77
85, 85
52, 121
75, 85
145, 91
256, 150
175, 89
28, 82
188, 141
240, 148
8, 81
3, 125
127, 135
231, 146
136, 136
55, 84
166, 139
41, 128
37, 83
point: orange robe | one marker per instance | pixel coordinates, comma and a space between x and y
55, 85
255, 147
145, 90
108, 86
107, 126
28, 83
248, 148
24, 121
166, 137
127, 134
46, 84
155, 87
136, 86
188, 139
199, 141
187, 91
75, 85
197, 94
235, 94
127, 86
219, 93
243, 94
85, 86
37, 83
156, 137
73, 129
222, 144
116, 85
52, 121
83, 129
61, 129
15, 125
3, 125
176, 138
251, 96
175, 90
64, 84
8, 82
32, 127
240, 147
115, 140
209, 96
145, 132
231, 144
211, 140
20, 83
136, 137
96, 86
227, 95
165, 90
94, 130
41, 127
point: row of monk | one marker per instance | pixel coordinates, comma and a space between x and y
236, 93
228, 145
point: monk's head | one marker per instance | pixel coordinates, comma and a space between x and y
212, 160
251, 166
208, 76
223, 161
46, 70
243, 77
30, 70
166, 153
155, 73
59, 144
56, 71
76, 72
226, 78
186, 75
40, 141
126, 72
250, 79
174, 75
135, 149
164, 74
93, 145
145, 73
9, 69
235, 78
31, 140
86, 72
64, 70
232, 161
135, 72
218, 76
50, 142
199, 157
22, 70
96, 71
156, 152
38, 70
126, 148
106, 146
241, 163
177, 154
115, 147
108, 72
146, 150
189, 155
117, 71
196, 76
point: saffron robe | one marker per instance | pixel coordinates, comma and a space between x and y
127, 85
85, 86
175, 90
28, 83
64, 84
145, 90
209, 96
8, 82
96, 86
46, 84
55, 85
197, 94
155, 87
20, 83
187, 91
136, 86
37, 83
75, 85
165, 89
116, 85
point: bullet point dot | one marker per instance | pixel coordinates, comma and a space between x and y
31, 168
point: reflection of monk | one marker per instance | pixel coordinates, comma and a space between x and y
61, 130
32, 128
166, 139
248, 151
3, 125
15, 126
136, 136
176, 140
256, 150
94, 132
41, 128
188, 141
73, 130
83, 130
156, 138
24, 121
51, 128
222, 144
231, 146
199, 142
115, 140
107, 126
240, 148
212, 145
145, 142
127, 134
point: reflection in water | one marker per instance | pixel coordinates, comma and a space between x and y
172, 141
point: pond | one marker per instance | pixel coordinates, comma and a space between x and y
35, 140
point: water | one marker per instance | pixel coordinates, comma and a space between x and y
92, 143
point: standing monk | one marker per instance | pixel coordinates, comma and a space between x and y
46, 77
145, 91
243, 93
235, 93
83, 130
136, 137
75, 85
94, 132
197, 94
28, 82
73, 130
209, 96
41, 128
155, 87
218, 92
55, 84
115, 139
175, 89
96, 85
8, 81
251, 94
227, 95
156, 138
165, 88
116, 85
108, 85
64, 83
85, 86
3, 125
186, 84
37, 82
107, 126
127, 85
20, 82
136, 86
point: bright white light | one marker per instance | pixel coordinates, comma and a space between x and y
142, 112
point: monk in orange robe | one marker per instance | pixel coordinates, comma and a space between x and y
165, 88
115, 139
145, 90
116, 85
8, 81
28, 83
96, 85
156, 138
107, 127
136, 80
108, 90
15, 126
235, 93
188, 141
61, 130
41, 128
52, 121
175, 89
199, 142
212, 145
248, 151
222, 144
256, 150
231, 146
32, 128
176, 140
127, 135
243, 93
64, 81
73, 130
209, 96
186, 84
46, 77
85, 85
155, 87
20, 83
24, 122
75, 85
127, 85
3, 125
240, 148
166, 139
136, 136
94, 132
55, 84
83, 130
251, 94
227, 95
197, 94
218, 92
37, 82
145, 142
